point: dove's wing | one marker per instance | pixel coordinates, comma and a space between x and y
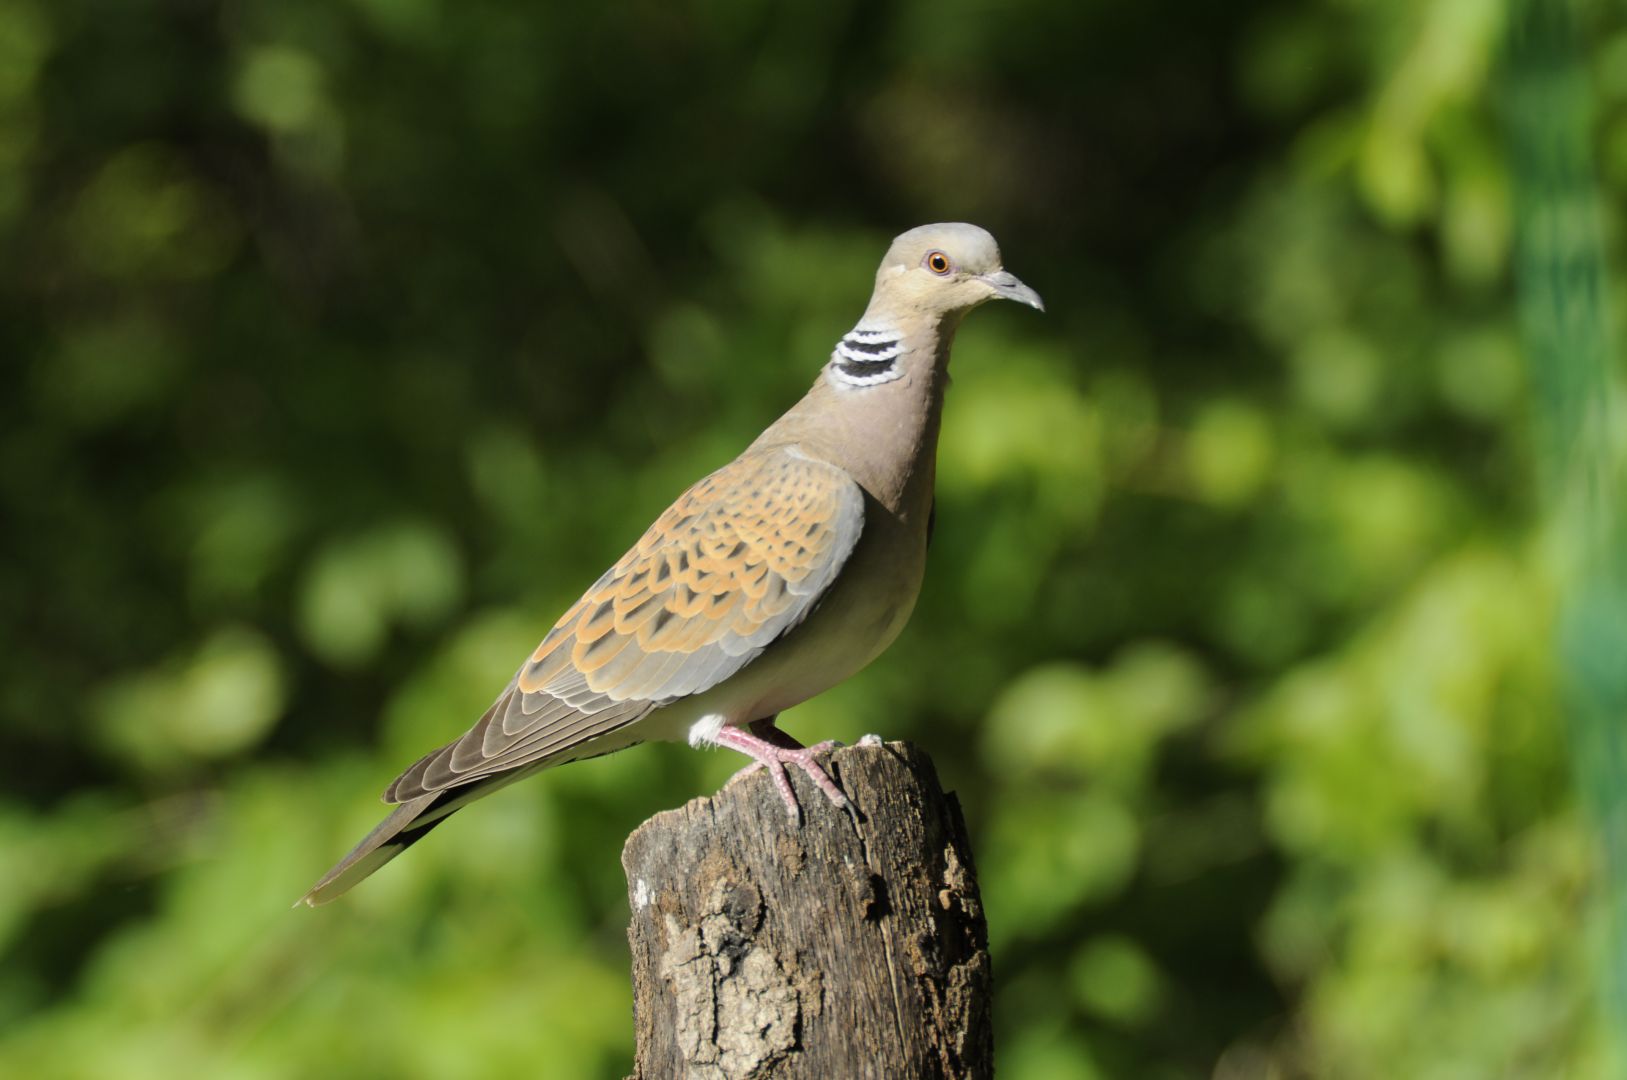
739, 559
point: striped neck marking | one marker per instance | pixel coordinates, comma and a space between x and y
867, 356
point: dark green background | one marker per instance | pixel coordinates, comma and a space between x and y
345, 341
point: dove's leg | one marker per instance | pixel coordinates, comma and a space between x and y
765, 730
774, 756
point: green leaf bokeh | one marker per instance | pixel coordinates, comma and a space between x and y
345, 341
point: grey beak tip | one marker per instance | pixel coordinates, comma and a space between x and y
1007, 286
1024, 295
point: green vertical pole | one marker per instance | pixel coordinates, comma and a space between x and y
1563, 288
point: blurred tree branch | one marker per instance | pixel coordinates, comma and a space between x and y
1563, 283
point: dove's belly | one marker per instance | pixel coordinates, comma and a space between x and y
864, 612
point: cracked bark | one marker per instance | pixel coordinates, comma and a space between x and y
837, 949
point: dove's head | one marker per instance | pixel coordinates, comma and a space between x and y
930, 278
945, 270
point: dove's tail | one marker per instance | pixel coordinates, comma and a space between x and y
404, 827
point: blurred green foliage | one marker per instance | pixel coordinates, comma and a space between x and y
345, 342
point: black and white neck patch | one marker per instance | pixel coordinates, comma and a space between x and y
866, 357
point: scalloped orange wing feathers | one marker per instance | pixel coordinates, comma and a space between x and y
742, 557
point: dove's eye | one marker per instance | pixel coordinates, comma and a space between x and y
937, 262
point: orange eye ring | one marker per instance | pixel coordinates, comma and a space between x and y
938, 263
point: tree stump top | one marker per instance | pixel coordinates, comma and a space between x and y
851, 946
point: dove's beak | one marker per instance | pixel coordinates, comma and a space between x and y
1007, 286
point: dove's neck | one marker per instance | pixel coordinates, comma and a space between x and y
875, 409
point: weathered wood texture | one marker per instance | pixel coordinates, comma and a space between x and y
840, 949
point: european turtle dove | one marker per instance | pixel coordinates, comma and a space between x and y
769, 581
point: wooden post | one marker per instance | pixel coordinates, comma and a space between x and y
843, 949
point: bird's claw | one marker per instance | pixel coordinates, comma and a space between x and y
766, 755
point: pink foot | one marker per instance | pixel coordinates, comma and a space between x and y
766, 755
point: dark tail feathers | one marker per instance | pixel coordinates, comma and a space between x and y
390, 838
